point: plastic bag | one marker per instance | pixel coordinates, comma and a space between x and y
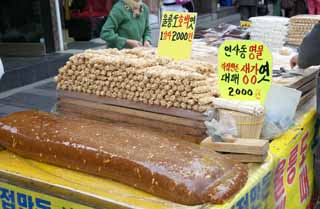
281, 105
224, 128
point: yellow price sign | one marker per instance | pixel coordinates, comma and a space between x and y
176, 35
245, 70
245, 24
16, 197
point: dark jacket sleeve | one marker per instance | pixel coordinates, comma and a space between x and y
309, 51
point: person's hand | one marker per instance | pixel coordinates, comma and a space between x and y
147, 44
294, 61
133, 43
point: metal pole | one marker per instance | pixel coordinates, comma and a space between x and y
1, 69
60, 35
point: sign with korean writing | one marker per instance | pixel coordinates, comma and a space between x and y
176, 35
285, 180
293, 174
245, 70
257, 196
14, 197
293, 178
245, 24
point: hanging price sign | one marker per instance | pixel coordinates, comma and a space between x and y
245, 24
245, 70
176, 35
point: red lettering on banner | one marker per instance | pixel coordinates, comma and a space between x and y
255, 52
292, 165
304, 184
251, 56
190, 36
282, 204
259, 52
279, 191
255, 69
254, 79
245, 79
303, 177
249, 68
304, 147
230, 67
246, 68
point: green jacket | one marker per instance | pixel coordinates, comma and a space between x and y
277, 8
121, 25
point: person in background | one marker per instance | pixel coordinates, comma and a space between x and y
309, 50
314, 7
263, 7
276, 7
293, 7
127, 25
248, 8
171, 5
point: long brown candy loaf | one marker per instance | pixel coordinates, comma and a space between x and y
155, 162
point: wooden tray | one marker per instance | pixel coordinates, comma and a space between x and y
133, 105
307, 97
307, 87
242, 150
192, 130
309, 75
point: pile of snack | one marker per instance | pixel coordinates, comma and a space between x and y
300, 25
270, 30
139, 75
153, 161
202, 52
216, 35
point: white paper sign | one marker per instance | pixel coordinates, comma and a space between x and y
1, 69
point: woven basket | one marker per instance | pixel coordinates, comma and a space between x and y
249, 126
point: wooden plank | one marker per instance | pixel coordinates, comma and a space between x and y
191, 134
245, 158
187, 134
22, 49
134, 105
306, 97
241, 146
310, 74
308, 86
135, 113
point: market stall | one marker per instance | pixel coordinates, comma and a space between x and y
284, 180
148, 123
289, 163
